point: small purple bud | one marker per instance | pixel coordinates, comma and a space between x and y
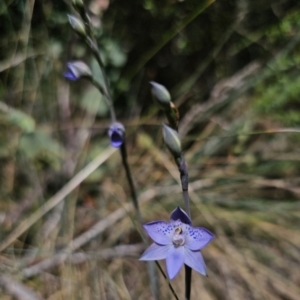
116, 133
77, 69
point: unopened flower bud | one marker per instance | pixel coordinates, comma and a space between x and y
76, 70
172, 140
77, 25
78, 5
160, 94
116, 133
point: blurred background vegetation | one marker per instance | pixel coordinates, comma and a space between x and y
233, 69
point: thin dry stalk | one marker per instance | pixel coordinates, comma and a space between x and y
17, 289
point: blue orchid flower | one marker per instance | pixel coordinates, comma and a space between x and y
178, 242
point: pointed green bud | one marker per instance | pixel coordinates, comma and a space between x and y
172, 140
78, 5
77, 25
160, 94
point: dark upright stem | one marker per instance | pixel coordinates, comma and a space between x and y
188, 282
123, 152
151, 266
184, 177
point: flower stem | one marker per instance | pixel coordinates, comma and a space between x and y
106, 97
184, 177
104, 89
123, 152
92, 44
188, 282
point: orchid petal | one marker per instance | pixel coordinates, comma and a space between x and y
197, 238
155, 252
70, 75
194, 259
174, 261
161, 232
180, 214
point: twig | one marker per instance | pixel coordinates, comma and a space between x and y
17, 289
118, 251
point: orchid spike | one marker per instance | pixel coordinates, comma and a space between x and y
178, 242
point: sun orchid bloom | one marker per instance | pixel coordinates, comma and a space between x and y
116, 134
177, 242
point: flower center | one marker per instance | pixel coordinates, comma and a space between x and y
178, 238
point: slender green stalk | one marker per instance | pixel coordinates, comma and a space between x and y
107, 99
106, 83
92, 44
